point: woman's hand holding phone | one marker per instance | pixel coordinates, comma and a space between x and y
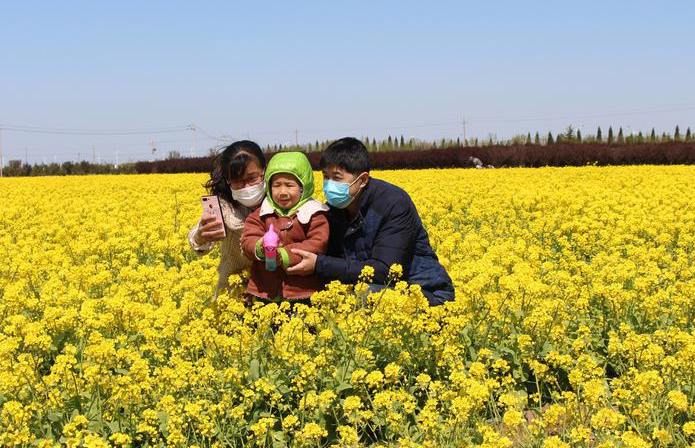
210, 229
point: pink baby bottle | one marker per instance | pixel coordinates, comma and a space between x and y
271, 241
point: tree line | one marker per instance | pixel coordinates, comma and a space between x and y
566, 148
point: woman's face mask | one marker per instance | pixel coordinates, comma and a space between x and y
337, 194
250, 196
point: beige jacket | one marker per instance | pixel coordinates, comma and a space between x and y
232, 258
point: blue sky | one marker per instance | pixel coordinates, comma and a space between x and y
328, 69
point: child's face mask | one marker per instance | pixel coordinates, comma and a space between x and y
337, 194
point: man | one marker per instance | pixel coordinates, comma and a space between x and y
372, 223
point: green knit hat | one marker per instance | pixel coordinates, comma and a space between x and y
296, 164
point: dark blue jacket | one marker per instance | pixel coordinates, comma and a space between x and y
386, 230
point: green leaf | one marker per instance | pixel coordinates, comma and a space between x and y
254, 369
343, 386
54, 416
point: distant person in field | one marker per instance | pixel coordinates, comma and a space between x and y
372, 223
476, 162
237, 179
297, 220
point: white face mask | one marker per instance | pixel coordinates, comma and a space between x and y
249, 196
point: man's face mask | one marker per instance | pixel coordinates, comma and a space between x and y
337, 194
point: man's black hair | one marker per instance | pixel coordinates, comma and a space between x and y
348, 153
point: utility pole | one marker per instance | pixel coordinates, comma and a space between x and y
195, 139
465, 143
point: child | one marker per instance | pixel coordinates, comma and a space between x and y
299, 221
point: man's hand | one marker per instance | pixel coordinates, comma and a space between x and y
304, 267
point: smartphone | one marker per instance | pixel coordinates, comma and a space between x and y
211, 207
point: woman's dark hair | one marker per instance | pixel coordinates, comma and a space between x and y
347, 153
231, 163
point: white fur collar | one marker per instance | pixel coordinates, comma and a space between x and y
304, 213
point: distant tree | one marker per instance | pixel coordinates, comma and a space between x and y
173, 155
677, 134
528, 138
687, 134
389, 143
652, 136
402, 141
621, 138
568, 136
537, 139
550, 140
664, 137
458, 141
640, 137
610, 135
599, 137
579, 136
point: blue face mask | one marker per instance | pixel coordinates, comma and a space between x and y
337, 194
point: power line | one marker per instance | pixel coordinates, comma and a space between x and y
578, 117
63, 131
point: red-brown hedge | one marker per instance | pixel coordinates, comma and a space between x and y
560, 154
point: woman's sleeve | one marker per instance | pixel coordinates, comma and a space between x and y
200, 249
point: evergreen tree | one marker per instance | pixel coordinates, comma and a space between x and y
316, 145
599, 137
528, 138
458, 141
610, 135
579, 136
395, 143
677, 134
621, 138
550, 139
640, 137
664, 137
537, 139
568, 136
402, 141
652, 136
687, 135
374, 147
389, 143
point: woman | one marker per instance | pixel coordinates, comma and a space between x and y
237, 179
